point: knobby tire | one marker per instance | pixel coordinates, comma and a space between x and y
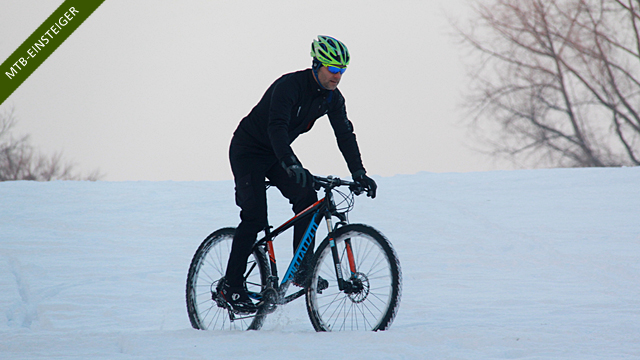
208, 265
378, 273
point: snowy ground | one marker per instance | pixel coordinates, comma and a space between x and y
541, 264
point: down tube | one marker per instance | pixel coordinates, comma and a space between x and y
303, 247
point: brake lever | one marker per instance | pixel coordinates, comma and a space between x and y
356, 188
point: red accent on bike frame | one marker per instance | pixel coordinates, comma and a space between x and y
303, 212
272, 253
352, 261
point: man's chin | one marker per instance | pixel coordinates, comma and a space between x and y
332, 86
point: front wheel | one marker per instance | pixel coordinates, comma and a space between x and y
208, 266
372, 282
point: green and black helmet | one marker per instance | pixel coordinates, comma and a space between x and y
330, 52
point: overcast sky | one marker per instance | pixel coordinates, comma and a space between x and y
153, 89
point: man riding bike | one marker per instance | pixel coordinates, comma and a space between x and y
261, 149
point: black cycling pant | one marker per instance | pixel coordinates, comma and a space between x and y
250, 168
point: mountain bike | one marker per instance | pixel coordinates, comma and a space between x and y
355, 282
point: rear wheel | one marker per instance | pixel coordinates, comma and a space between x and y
208, 266
372, 294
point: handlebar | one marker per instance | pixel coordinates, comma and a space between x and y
331, 182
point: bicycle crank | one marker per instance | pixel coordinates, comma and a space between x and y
269, 301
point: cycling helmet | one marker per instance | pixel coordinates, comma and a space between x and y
330, 51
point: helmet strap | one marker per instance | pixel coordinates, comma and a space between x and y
314, 67
316, 64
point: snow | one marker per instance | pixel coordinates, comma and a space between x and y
528, 264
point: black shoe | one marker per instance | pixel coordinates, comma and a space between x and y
237, 299
322, 283
300, 278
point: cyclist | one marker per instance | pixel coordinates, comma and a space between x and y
260, 148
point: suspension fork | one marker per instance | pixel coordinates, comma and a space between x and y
352, 260
342, 284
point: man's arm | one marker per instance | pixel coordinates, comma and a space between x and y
282, 101
346, 138
343, 129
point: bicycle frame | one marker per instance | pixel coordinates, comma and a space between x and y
324, 207
365, 297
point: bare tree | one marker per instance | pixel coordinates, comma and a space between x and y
20, 161
558, 81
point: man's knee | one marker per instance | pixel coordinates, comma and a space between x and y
303, 199
252, 222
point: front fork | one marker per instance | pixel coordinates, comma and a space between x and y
343, 285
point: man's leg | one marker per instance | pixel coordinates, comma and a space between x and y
249, 175
253, 220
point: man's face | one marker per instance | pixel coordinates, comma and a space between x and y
328, 80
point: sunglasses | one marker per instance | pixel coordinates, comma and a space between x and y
336, 69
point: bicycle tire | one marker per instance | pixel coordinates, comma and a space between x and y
374, 307
208, 265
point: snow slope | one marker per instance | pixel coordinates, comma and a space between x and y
530, 264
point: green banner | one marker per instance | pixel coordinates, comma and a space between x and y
42, 43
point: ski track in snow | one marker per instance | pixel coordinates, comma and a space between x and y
529, 264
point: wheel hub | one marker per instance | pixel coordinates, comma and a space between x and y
216, 296
359, 290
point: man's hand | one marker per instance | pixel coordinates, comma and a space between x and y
366, 182
293, 168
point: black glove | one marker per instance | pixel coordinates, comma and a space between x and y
293, 168
366, 182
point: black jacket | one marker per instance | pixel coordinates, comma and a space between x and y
290, 107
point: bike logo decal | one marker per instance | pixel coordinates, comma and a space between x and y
302, 248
